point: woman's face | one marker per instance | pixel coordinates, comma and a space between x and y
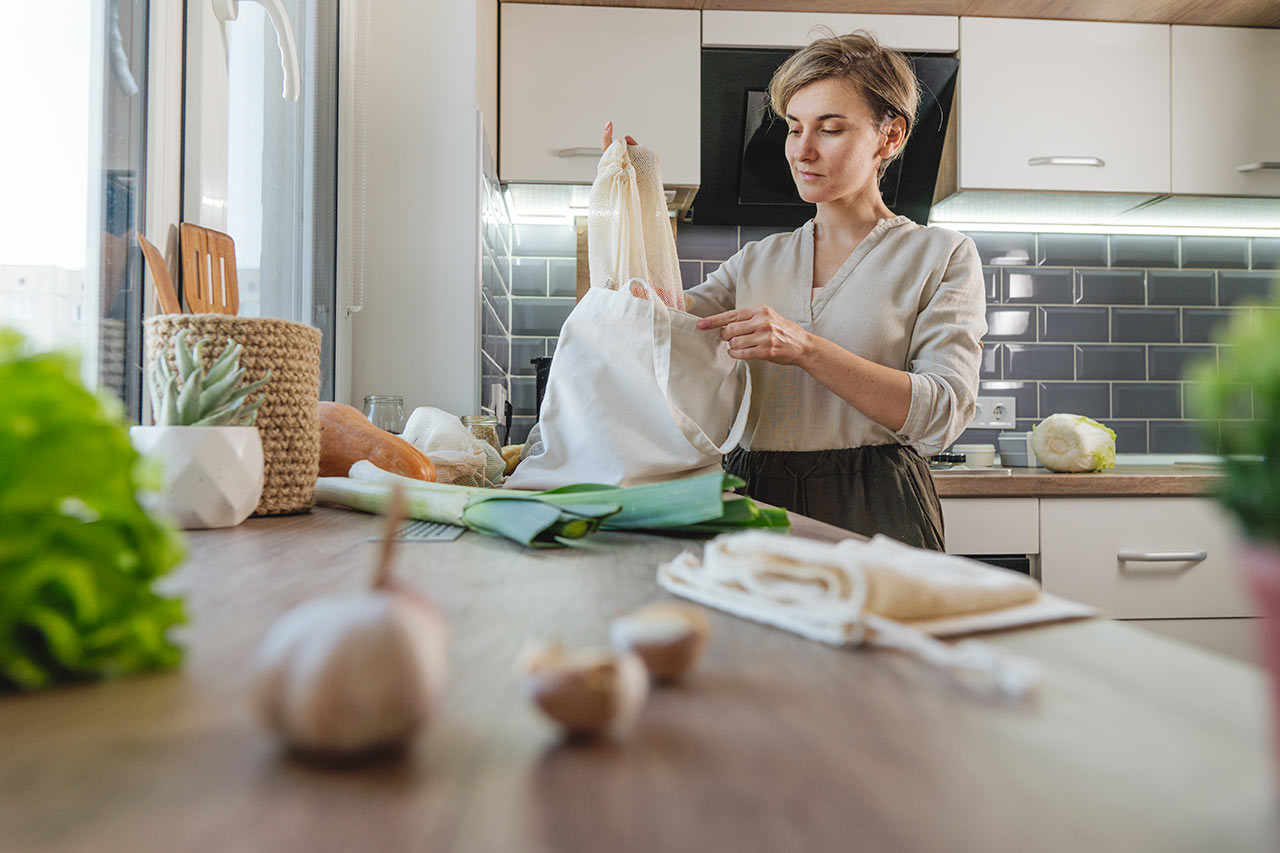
834, 143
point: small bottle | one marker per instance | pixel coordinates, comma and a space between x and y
483, 427
385, 411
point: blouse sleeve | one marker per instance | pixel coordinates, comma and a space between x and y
718, 293
946, 354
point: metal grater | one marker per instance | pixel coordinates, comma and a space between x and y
425, 531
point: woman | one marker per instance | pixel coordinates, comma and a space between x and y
862, 329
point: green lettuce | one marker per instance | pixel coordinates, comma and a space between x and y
78, 553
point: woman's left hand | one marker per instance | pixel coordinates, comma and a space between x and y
760, 332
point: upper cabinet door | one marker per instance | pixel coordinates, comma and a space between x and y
1064, 105
566, 70
1226, 88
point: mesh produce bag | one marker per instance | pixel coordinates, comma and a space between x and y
628, 230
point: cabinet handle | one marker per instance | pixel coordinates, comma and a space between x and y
1066, 161
1162, 556
1264, 166
578, 152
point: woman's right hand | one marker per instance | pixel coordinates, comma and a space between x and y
606, 138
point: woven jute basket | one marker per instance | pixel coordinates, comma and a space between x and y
287, 420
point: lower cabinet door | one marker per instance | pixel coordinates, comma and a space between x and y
1142, 558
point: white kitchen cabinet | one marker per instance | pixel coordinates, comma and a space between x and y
1142, 558
566, 70
924, 33
1225, 91
1064, 105
986, 526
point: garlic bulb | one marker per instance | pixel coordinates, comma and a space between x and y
353, 674
668, 637
587, 691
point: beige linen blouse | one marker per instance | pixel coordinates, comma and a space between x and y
909, 297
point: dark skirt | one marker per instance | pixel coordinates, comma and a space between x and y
883, 488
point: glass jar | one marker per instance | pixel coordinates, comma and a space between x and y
385, 411
483, 427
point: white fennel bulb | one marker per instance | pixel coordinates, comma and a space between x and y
1073, 443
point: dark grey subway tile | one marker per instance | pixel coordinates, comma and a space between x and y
1146, 400
1203, 325
520, 427
1110, 287
1140, 250
1111, 361
1013, 323
1180, 287
1072, 250
752, 233
524, 395
690, 273
562, 277
1265, 253
529, 276
1215, 252
706, 242
1173, 362
1001, 248
1073, 324
490, 321
1237, 287
1131, 436
1239, 403
992, 359
1038, 285
1091, 399
1023, 393
1183, 437
979, 436
991, 281
1025, 425
539, 316
523, 352
1145, 325
548, 241
1039, 361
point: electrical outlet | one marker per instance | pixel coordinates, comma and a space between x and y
995, 413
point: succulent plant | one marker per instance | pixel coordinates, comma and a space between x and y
196, 396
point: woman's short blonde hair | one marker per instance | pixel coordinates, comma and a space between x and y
883, 76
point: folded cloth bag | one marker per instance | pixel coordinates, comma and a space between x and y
845, 594
636, 392
460, 458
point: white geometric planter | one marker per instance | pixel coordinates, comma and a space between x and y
212, 475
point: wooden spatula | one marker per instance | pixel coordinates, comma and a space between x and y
165, 294
208, 270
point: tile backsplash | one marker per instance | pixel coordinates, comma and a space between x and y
1096, 324
495, 291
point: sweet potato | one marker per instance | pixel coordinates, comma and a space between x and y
347, 436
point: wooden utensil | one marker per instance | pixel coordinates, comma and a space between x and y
165, 292
208, 270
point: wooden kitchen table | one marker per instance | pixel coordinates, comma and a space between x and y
775, 744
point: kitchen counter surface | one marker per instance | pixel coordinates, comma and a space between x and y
1121, 481
775, 743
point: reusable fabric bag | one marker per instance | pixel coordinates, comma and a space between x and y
636, 392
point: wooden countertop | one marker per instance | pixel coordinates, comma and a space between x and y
1123, 481
776, 743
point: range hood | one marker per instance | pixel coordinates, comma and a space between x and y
555, 201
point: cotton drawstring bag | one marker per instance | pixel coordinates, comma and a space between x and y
636, 392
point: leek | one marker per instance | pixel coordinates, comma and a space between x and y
529, 521
693, 505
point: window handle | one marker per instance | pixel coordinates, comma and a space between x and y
1066, 161
229, 10
1264, 166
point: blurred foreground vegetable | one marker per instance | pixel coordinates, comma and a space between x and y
77, 551
694, 506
